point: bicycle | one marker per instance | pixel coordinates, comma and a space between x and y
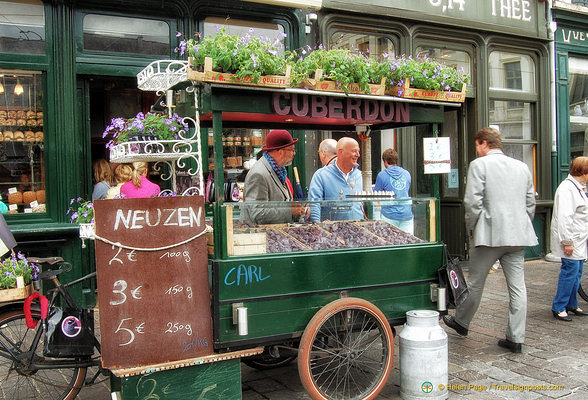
25, 373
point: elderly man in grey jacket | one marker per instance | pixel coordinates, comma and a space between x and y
500, 204
267, 181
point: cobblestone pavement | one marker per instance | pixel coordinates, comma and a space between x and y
555, 353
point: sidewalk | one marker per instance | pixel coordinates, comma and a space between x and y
555, 353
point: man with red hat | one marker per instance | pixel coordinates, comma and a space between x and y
268, 181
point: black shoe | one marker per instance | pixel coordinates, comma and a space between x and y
512, 346
557, 315
450, 322
577, 311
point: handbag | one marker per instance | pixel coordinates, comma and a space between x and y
451, 277
69, 332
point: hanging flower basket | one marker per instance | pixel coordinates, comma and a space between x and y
208, 75
326, 85
405, 91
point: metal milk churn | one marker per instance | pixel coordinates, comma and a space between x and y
423, 357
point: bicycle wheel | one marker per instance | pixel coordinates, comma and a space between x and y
19, 381
346, 351
583, 286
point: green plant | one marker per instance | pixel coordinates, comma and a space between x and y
341, 66
80, 211
15, 266
424, 73
246, 56
150, 125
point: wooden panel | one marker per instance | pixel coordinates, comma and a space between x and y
218, 380
152, 275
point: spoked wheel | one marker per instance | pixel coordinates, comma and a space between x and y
346, 351
583, 288
18, 380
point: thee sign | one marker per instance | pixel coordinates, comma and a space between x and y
152, 271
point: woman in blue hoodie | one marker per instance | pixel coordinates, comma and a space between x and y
397, 180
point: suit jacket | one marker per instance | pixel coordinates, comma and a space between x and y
500, 202
262, 184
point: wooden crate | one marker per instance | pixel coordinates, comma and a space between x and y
208, 75
16, 294
406, 91
326, 85
247, 243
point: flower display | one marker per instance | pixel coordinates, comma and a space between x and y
341, 66
252, 57
80, 211
424, 73
246, 56
15, 266
150, 126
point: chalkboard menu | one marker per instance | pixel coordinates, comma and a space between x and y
153, 286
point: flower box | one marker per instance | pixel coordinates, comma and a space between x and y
406, 91
208, 75
326, 85
16, 293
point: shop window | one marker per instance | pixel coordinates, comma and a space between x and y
22, 172
511, 71
244, 28
364, 43
22, 27
514, 123
126, 35
578, 107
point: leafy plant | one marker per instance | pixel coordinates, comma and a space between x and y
150, 126
14, 266
80, 211
425, 73
253, 57
342, 66
246, 56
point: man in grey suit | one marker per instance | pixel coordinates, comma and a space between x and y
499, 208
267, 181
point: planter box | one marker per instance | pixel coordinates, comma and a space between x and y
326, 85
16, 294
424, 94
275, 81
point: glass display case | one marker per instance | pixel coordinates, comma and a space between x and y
354, 223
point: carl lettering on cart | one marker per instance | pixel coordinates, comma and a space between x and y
334, 182
268, 181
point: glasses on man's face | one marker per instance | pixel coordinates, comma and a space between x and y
290, 150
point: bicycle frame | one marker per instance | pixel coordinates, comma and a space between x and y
6, 348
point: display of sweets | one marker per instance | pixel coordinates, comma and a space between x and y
353, 235
390, 233
315, 237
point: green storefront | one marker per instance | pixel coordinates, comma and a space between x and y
571, 73
67, 68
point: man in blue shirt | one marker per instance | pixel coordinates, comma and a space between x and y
335, 181
396, 179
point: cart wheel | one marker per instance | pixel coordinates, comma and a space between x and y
346, 351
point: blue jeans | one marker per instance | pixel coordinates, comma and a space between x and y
567, 286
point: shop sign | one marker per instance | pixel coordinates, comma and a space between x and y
576, 37
152, 271
520, 16
350, 108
